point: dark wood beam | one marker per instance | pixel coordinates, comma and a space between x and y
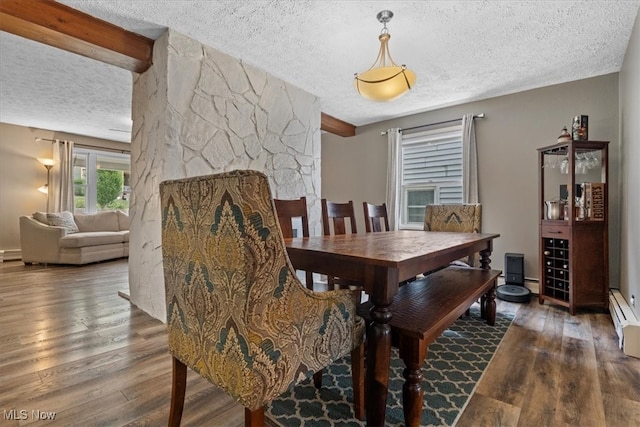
336, 126
69, 29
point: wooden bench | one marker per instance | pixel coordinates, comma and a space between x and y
422, 310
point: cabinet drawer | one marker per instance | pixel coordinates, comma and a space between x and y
555, 231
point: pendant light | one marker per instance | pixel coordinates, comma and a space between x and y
385, 80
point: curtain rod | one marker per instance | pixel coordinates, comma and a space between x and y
95, 147
51, 140
475, 116
92, 147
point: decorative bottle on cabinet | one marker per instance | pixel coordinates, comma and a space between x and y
574, 219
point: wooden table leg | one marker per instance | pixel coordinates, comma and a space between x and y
491, 305
382, 285
378, 360
486, 301
485, 258
413, 352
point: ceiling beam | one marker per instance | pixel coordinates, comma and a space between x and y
60, 26
336, 126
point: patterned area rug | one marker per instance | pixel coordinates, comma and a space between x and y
454, 365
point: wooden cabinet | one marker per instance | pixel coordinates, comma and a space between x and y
574, 252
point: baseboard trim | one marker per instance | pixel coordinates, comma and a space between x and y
10, 255
534, 287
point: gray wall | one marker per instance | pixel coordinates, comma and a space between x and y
514, 127
630, 170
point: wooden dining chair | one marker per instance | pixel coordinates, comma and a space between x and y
336, 216
376, 220
237, 314
287, 210
375, 216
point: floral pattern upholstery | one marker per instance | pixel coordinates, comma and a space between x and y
236, 312
459, 218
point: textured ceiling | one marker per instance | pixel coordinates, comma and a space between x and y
460, 50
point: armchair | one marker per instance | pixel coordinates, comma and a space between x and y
236, 312
461, 218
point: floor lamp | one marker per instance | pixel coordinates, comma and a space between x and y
47, 163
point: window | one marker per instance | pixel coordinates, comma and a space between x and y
430, 172
100, 181
416, 199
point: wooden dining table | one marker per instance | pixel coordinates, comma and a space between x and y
380, 261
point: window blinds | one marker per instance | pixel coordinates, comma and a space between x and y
434, 158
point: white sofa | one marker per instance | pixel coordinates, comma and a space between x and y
64, 238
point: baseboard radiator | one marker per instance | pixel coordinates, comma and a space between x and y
626, 324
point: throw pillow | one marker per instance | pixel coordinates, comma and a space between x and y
101, 221
41, 217
63, 219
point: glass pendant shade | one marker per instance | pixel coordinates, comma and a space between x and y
385, 80
385, 83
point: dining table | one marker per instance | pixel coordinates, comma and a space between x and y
380, 261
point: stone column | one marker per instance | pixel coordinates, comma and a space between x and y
198, 111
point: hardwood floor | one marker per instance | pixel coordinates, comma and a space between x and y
553, 369
70, 345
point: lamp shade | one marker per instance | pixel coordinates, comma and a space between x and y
385, 80
47, 163
384, 83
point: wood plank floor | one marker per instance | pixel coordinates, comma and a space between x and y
70, 345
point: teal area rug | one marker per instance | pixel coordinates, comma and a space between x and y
455, 363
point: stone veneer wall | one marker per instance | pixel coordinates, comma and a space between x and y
198, 111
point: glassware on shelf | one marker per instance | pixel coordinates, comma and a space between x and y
580, 164
564, 166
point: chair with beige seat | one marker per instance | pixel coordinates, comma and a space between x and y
236, 312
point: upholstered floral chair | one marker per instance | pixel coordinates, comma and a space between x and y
236, 312
461, 218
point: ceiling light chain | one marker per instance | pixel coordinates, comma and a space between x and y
385, 80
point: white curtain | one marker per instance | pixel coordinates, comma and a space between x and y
469, 161
60, 197
394, 137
